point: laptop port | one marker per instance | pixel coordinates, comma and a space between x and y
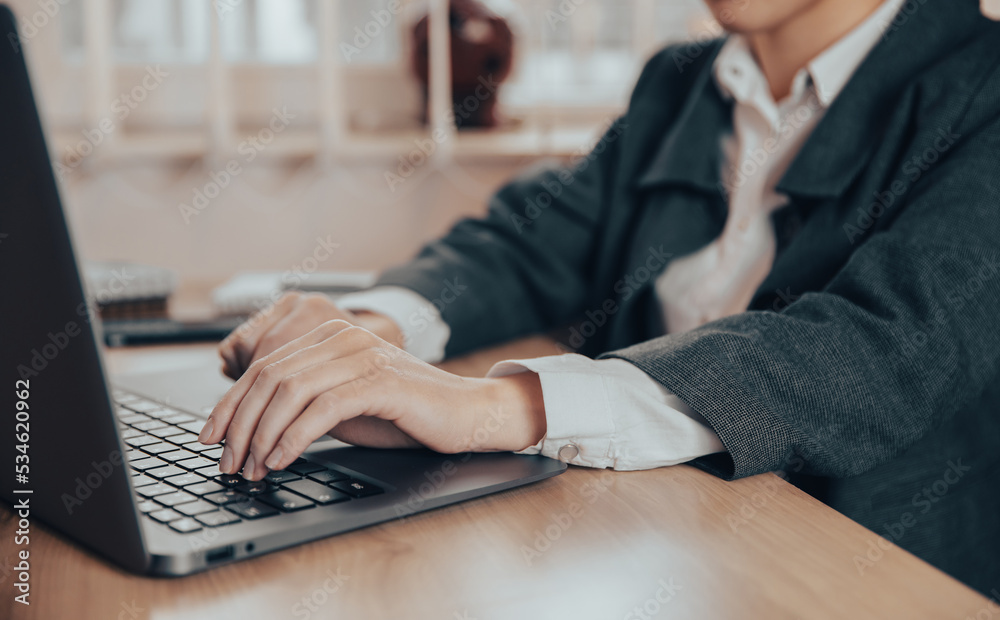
220, 555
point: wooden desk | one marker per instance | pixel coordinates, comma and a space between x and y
586, 544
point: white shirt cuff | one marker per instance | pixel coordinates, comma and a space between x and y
609, 413
425, 334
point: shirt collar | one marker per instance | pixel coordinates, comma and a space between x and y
738, 76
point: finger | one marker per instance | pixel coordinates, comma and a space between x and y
221, 416
312, 310
340, 343
293, 325
294, 394
326, 411
237, 348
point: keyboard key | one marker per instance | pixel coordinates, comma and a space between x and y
229, 480
185, 479
142, 480
327, 476
198, 463
286, 501
315, 491
225, 497
150, 425
165, 515
185, 525
175, 498
177, 455
204, 488
121, 397
147, 505
150, 463
129, 433
304, 467
195, 508
178, 418
158, 448
154, 490
166, 431
165, 472
138, 442
180, 440
133, 418
277, 477
215, 519
255, 488
197, 446
356, 488
212, 452
252, 509
193, 427
142, 405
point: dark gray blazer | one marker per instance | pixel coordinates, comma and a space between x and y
867, 365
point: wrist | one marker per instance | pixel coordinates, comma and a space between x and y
520, 408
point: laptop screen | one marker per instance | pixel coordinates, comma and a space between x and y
65, 464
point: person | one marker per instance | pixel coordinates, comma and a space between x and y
783, 257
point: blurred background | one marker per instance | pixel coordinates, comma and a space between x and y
214, 136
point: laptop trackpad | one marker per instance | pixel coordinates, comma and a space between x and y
195, 389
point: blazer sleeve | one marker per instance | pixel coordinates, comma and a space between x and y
526, 267
844, 379
523, 267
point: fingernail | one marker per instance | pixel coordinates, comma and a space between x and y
249, 467
226, 462
274, 460
206, 431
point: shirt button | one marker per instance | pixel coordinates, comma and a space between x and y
569, 452
743, 224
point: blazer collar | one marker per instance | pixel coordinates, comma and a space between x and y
691, 152
838, 149
842, 143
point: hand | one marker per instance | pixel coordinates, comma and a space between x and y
292, 316
345, 381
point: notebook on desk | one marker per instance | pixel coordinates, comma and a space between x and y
119, 469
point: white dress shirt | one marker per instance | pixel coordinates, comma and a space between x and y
626, 420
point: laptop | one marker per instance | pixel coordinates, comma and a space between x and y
117, 469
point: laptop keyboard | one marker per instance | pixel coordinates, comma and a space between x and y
179, 484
